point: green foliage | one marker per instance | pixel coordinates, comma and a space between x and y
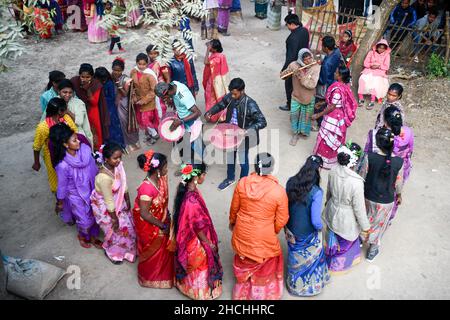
437, 68
162, 18
10, 33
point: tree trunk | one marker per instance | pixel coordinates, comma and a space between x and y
372, 35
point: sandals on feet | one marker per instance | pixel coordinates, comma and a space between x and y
84, 243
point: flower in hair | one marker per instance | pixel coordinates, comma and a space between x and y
155, 163
353, 157
148, 158
98, 155
188, 172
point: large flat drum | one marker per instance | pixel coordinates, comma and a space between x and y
226, 136
164, 128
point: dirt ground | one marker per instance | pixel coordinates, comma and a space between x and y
415, 252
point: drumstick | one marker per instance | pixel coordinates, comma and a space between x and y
284, 76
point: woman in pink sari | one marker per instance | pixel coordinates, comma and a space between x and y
111, 206
197, 264
338, 116
215, 77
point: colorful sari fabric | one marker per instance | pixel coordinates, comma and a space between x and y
42, 22
258, 281
333, 128
120, 245
156, 264
197, 266
215, 83
307, 267
96, 34
76, 176
301, 116
41, 142
341, 255
223, 18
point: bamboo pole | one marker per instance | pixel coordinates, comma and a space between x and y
447, 35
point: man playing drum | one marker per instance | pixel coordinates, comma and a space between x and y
178, 95
244, 112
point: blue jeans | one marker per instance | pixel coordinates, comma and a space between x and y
243, 162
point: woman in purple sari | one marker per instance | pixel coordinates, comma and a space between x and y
345, 212
403, 142
76, 170
223, 19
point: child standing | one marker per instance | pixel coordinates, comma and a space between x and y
144, 99
374, 79
347, 46
113, 32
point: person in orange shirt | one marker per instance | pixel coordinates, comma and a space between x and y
259, 210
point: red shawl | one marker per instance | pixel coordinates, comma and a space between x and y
188, 71
349, 105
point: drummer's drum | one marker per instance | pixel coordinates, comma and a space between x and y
164, 128
226, 136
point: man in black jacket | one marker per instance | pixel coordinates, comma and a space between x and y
297, 40
244, 112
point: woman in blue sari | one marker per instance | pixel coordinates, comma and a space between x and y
307, 271
115, 130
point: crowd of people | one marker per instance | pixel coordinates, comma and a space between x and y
91, 119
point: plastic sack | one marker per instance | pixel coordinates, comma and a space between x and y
31, 279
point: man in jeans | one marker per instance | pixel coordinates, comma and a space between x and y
244, 112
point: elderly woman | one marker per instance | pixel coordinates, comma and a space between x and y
304, 82
345, 211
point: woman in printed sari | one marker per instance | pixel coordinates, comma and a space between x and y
345, 212
307, 267
55, 113
96, 34
258, 212
77, 108
109, 90
76, 171
197, 264
127, 116
90, 91
337, 117
153, 225
383, 174
403, 143
215, 77
110, 203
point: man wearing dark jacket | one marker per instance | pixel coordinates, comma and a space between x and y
297, 40
244, 112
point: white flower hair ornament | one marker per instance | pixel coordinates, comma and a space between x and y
353, 155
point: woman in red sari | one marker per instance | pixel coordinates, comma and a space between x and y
215, 77
153, 225
90, 90
337, 117
197, 264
